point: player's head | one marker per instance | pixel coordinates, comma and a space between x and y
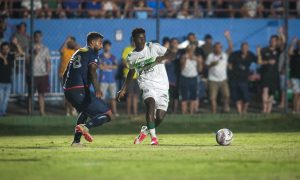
174, 43
217, 48
274, 40
94, 40
139, 37
106, 45
71, 42
244, 47
166, 42
208, 39
4, 48
37, 36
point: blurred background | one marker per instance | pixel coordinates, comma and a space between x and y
38, 38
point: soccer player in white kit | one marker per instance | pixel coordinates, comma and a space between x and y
147, 59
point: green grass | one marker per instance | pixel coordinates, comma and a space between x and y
264, 147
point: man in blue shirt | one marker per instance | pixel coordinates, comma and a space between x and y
79, 75
108, 66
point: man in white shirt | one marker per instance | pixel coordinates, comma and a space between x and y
147, 59
217, 62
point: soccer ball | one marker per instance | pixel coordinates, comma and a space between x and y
224, 137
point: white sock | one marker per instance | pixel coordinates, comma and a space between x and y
152, 132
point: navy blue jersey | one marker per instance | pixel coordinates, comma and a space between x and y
77, 73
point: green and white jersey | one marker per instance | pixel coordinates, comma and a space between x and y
150, 74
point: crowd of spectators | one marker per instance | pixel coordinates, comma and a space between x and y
201, 72
142, 9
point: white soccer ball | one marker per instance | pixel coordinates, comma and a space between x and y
224, 137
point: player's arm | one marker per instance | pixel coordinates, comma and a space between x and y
128, 79
169, 55
229, 41
93, 74
282, 37
292, 46
260, 57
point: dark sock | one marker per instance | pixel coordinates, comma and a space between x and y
97, 121
80, 120
151, 125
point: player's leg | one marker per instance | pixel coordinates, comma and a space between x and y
213, 90
97, 110
226, 95
150, 112
265, 98
112, 93
245, 96
82, 118
160, 115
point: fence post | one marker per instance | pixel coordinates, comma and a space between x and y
286, 55
31, 58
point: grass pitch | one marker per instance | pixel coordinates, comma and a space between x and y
264, 147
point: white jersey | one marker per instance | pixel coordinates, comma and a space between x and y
149, 76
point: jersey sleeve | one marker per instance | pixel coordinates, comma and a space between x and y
130, 61
209, 59
160, 50
93, 60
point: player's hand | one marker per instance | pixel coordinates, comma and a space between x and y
214, 63
272, 62
227, 34
258, 49
98, 94
120, 94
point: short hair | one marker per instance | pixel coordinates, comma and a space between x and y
165, 40
207, 36
106, 42
191, 34
274, 36
217, 44
244, 43
137, 31
92, 36
21, 24
37, 32
5, 43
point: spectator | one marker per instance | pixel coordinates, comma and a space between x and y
15, 47
252, 9
141, 11
298, 8
133, 91
110, 9
174, 7
207, 47
277, 9
217, 62
234, 8
295, 73
173, 70
190, 67
221, 9
191, 40
108, 66
68, 48
6, 66
72, 8
268, 58
37, 7
3, 27
93, 8
42, 68
239, 66
22, 36
184, 12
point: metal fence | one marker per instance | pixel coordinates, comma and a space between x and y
19, 85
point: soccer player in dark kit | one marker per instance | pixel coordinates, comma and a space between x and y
79, 75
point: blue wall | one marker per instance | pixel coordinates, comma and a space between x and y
256, 32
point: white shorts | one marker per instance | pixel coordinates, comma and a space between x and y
161, 97
296, 85
112, 89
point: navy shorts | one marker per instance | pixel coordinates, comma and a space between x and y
240, 91
83, 100
189, 88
